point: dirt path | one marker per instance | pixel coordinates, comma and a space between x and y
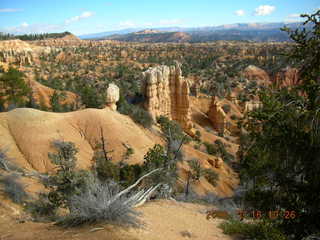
163, 220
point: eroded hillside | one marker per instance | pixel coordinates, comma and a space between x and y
207, 91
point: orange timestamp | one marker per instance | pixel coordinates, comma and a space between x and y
271, 214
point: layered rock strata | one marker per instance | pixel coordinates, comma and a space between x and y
167, 94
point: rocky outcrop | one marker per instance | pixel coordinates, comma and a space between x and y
287, 77
217, 116
16, 51
113, 96
254, 73
167, 93
20, 52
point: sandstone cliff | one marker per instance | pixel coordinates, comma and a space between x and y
167, 93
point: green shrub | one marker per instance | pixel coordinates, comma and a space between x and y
67, 181
137, 114
211, 149
158, 157
128, 174
141, 116
197, 146
42, 209
155, 157
13, 88
107, 170
260, 231
196, 169
128, 153
211, 176
198, 136
226, 108
221, 134
219, 149
233, 117
170, 128
119, 172
87, 198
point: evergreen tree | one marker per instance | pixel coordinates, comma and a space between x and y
280, 156
13, 88
55, 102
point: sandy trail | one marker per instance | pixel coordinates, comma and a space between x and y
163, 220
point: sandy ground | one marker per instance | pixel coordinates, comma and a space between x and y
162, 220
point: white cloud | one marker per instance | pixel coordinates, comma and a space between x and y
24, 24
78, 18
240, 13
10, 10
264, 10
127, 24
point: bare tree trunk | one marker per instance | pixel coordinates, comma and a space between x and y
105, 153
135, 184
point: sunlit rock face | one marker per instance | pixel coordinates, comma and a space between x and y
167, 94
113, 96
217, 116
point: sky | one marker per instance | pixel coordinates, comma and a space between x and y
94, 16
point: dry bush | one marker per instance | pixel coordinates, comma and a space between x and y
97, 203
13, 189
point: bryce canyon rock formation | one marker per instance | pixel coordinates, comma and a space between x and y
113, 96
20, 52
217, 116
167, 93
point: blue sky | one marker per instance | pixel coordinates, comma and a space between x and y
92, 16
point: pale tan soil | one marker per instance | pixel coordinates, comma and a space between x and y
162, 220
27, 134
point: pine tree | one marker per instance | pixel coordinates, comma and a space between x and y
280, 156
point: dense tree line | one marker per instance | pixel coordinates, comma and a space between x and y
31, 37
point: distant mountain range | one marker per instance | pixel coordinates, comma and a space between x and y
239, 31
